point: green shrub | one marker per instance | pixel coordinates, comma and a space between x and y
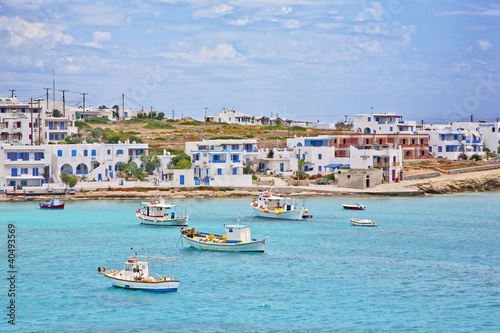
275, 127
97, 120
192, 123
160, 139
158, 125
298, 128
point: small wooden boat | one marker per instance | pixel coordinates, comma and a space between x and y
236, 239
157, 212
364, 223
138, 275
354, 207
51, 204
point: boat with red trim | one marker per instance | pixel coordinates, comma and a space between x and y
354, 207
272, 205
159, 213
51, 204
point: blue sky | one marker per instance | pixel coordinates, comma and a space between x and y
436, 61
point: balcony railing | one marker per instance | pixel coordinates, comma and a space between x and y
381, 165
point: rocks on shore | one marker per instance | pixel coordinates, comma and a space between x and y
479, 184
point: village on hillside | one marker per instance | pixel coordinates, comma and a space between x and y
49, 146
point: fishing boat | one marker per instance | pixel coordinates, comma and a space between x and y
138, 274
51, 204
157, 212
364, 223
354, 207
271, 205
237, 239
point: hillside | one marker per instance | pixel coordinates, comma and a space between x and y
174, 134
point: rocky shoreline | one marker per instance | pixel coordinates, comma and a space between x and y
472, 184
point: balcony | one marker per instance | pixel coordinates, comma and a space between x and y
381, 165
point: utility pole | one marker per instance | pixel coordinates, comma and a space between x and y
123, 106
83, 110
172, 114
151, 112
205, 119
39, 122
12, 91
47, 89
53, 90
471, 117
64, 103
31, 106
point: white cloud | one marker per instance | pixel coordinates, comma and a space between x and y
240, 22
484, 44
375, 12
291, 24
286, 10
214, 12
22, 33
99, 38
221, 51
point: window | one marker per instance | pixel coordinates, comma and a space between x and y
430, 149
379, 141
319, 156
93, 152
235, 171
24, 171
119, 152
390, 129
35, 171
421, 141
344, 141
369, 119
319, 168
219, 171
85, 152
440, 149
13, 172
412, 141
73, 152
51, 136
367, 141
59, 153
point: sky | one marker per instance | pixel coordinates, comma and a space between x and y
317, 60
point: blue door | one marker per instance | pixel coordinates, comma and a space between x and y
99, 176
182, 180
281, 167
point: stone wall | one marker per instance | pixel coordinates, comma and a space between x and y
422, 175
478, 168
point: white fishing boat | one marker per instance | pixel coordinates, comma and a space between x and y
364, 223
138, 274
271, 205
159, 213
237, 239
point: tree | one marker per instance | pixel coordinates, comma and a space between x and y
475, 157
270, 154
116, 114
69, 180
150, 162
181, 161
160, 116
57, 114
46, 173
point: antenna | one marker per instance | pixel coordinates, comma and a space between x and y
64, 103
47, 89
83, 110
12, 91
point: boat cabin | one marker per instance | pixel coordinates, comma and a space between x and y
135, 270
160, 210
238, 233
273, 202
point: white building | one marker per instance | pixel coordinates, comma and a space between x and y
317, 152
231, 117
490, 135
282, 161
450, 141
221, 162
19, 122
382, 123
389, 160
23, 165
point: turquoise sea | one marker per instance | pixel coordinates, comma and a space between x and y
432, 265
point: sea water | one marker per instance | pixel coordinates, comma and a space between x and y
432, 264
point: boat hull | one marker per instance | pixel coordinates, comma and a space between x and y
44, 206
364, 223
158, 221
256, 246
162, 286
353, 207
296, 214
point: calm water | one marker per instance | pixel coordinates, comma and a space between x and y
432, 264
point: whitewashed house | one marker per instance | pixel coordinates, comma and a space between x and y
382, 123
221, 162
231, 117
490, 134
389, 160
317, 152
450, 141
22, 166
277, 161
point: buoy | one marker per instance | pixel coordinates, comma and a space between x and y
277, 212
155, 221
265, 210
307, 211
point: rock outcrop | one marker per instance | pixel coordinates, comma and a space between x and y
478, 184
